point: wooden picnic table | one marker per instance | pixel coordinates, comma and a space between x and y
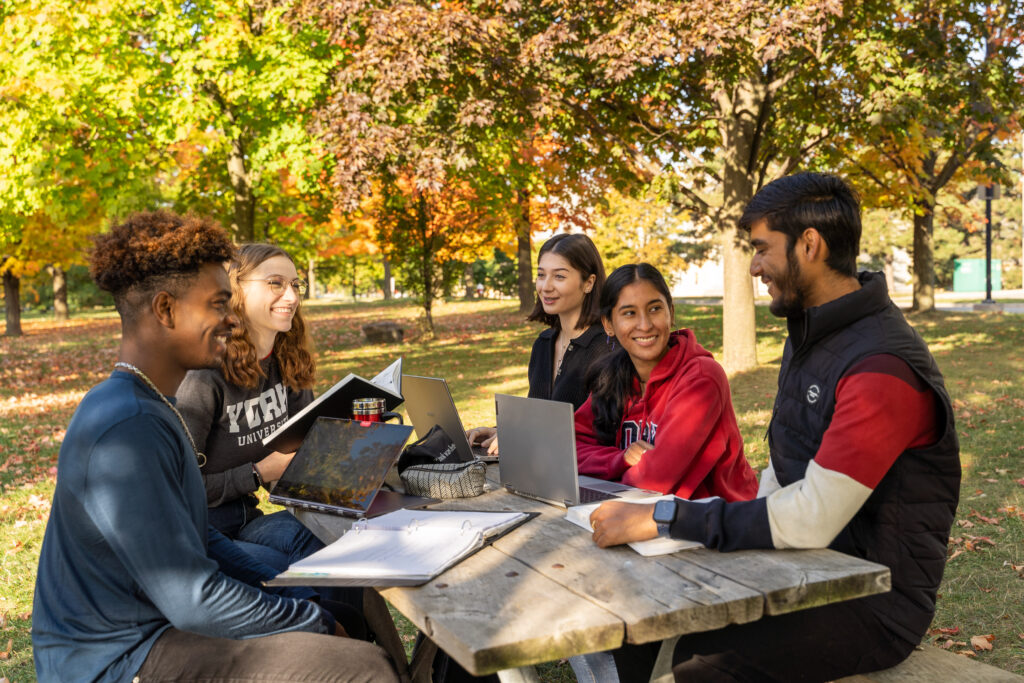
545, 591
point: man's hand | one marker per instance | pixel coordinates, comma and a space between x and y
484, 436
636, 451
615, 523
273, 466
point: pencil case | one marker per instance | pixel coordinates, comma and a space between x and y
445, 480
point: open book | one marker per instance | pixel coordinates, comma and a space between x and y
580, 516
337, 402
401, 548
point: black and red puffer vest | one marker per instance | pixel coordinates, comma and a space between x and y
905, 522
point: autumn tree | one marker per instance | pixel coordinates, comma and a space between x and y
717, 99
239, 85
75, 139
939, 84
426, 231
471, 92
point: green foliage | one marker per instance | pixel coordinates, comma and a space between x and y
497, 274
649, 229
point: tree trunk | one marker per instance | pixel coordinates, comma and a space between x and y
311, 278
60, 293
355, 275
388, 287
524, 253
426, 265
888, 267
244, 221
467, 281
924, 258
12, 299
739, 341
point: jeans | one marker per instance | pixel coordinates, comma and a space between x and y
276, 539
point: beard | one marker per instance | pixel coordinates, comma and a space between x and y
791, 297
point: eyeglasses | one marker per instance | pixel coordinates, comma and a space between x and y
277, 285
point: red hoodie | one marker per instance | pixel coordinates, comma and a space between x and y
686, 413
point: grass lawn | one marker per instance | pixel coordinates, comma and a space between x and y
483, 348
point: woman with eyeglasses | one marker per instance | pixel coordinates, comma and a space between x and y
266, 376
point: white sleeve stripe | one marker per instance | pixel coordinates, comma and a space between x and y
768, 483
811, 512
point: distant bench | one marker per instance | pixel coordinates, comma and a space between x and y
929, 664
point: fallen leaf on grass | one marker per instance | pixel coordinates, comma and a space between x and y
1019, 568
7, 652
1021, 481
982, 642
986, 520
967, 653
965, 523
958, 551
950, 631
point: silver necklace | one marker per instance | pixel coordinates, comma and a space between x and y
200, 457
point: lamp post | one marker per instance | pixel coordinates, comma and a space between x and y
988, 192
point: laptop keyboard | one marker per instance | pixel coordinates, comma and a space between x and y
593, 495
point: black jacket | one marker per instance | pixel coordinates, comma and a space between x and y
570, 384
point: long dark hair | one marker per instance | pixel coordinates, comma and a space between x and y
582, 255
611, 378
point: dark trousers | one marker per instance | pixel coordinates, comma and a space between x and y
819, 644
294, 656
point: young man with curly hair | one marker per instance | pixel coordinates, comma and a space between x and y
127, 588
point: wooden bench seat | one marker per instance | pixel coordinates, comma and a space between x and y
929, 664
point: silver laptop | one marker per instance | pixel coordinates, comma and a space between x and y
429, 402
538, 454
340, 466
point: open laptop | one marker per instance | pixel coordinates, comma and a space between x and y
429, 402
538, 454
340, 466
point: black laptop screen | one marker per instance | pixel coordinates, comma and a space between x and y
342, 463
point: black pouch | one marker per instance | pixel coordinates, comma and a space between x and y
434, 448
432, 467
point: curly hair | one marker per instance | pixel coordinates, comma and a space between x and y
152, 251
292, 349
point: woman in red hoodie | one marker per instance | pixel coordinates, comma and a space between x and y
659, 415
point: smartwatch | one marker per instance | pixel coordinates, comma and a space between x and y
664, 515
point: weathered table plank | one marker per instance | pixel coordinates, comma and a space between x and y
797, 579
491, 612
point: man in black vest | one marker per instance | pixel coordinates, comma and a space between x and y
864, 454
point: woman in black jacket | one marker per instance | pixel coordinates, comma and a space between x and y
569, 280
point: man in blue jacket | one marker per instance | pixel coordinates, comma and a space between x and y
126, 587
864, 454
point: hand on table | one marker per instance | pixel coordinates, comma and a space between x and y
484, 436
615, 523
636, 451
273, 466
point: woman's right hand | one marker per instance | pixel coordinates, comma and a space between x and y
635, 451
273, 466
484, 436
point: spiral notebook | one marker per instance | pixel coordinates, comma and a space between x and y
401, 548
